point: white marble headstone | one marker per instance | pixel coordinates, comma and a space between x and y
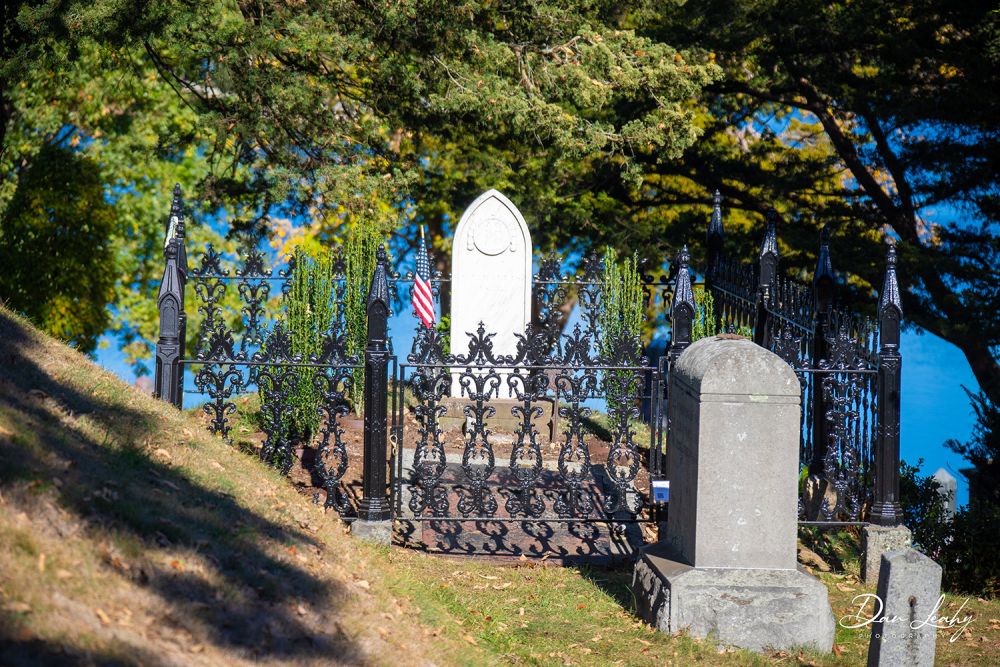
491, 277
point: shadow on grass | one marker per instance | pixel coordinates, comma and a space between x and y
615, 580
113, 486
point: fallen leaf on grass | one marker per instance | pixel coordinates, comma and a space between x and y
837, 650
161, 453
470, 639
105, 619
845, 589
363, 583
17, 607
41, 563
63, 574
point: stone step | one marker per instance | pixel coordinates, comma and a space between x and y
569, 543
503, 536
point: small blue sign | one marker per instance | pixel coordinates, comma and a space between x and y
661, 490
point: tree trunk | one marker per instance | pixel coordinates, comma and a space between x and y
984, 367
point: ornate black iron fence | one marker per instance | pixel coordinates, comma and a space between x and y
256, 355
848, 365
540, 387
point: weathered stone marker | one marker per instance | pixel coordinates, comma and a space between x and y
909, 585
728, 566
879, 540
491, 283
948, 488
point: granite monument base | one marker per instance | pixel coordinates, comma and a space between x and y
878, 540
754, 609
379, 532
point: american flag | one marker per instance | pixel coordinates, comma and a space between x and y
423, 299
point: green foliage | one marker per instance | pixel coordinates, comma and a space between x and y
309, 313
340, 112
703, 325
924, 509
971, 558
443, 327
107, 105
620, 318
983, 449
621, 310
857, 115
360, 251
852, 114
967, 546
58, 263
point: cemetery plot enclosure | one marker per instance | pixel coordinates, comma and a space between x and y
563, 422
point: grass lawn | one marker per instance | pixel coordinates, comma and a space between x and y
128, 535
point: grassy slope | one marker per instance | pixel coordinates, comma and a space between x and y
129, 535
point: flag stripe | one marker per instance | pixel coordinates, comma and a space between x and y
423, 294
425, 317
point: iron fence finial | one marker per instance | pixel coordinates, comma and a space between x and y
890, 297
379, 290
824, 264
715, 227
770, 244
683, 293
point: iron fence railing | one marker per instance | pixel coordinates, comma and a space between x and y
848, 366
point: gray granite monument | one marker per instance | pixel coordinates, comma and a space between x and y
878, 540
909, 586
727, 567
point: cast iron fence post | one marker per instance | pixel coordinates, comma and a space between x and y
169, 378
768, 271
823, 292
374, 505
714, 238
682, 313
886, 510
682, 308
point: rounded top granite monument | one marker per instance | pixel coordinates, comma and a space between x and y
735, 366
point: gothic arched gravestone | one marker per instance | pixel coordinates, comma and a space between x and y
491, 277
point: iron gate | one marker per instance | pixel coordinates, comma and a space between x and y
486, 437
